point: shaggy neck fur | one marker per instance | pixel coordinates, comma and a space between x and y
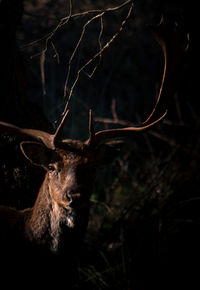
47, 219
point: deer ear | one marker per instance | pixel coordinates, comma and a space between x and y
106, 153
36, 153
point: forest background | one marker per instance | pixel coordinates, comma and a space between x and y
144, 221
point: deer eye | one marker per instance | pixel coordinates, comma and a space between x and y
52, 167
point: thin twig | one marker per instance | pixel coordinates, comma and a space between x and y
113, 109
42, 62
100, 48
56, 52
113, 121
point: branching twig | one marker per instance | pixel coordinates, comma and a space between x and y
75, 50
99, 53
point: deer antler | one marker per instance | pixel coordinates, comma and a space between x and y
57, 137
170, 42
49, 140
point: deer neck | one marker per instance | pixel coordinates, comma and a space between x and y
37, 225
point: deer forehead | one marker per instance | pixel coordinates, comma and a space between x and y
73, 159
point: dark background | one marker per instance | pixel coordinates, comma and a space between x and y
144, 223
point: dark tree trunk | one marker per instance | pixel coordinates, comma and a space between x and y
19, 182
12, 68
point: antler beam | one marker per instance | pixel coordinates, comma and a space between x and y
49, 140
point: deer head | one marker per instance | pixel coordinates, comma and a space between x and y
71, 164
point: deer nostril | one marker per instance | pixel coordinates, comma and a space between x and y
69, 197
74, 199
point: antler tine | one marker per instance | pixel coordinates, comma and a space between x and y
168, 35
91, 129
58, 134
170, 42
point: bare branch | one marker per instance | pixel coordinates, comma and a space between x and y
42, 62
48, 39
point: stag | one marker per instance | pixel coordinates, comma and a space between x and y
55, 225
